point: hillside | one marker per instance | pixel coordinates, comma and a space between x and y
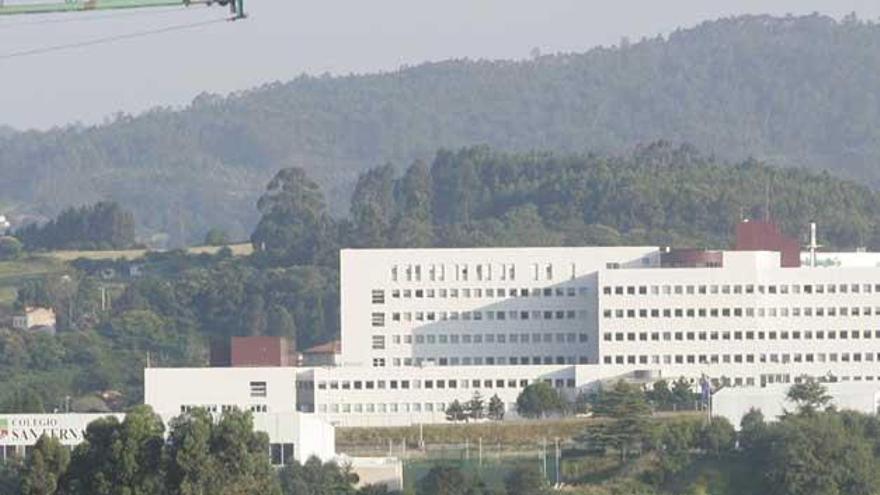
798, 91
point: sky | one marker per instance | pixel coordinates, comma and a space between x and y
285, 38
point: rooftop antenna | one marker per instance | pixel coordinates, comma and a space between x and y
813, 246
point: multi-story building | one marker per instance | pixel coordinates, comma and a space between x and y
424, 327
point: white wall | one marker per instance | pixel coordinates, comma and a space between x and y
424, 401
427, 279
735, 403
169, 389
773, 328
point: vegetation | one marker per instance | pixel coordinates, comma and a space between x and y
104, 225
202, 455
539, 400
798, 91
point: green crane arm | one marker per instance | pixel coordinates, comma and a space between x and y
236, 6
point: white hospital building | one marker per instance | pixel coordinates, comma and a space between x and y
424, 327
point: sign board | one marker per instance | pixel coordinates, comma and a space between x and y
26, 429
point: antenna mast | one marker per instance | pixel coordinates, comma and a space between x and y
813, 246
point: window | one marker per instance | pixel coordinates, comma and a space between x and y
378, 319
378, 296
378, 342
258, 389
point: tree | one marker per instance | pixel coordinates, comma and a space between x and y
317, 478
254, 317
455, 412
627, 405
118, 458
281, 323
294, 227
526, 480
190, 466
241, 454
809, 395
445, 480
683, 394
660, 395
475, 407
373, 208
10, 248
718, 436
752, 429
216, 237
104, 225
43, 467
538, 400
496, 408
10, 476
819, 454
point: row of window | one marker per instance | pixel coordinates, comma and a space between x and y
666, 290
378, 295
457, 271
427, 384
380, 362
214, 408
378, 319
379, 341
393, 407
740, 312
761, 358
741, 335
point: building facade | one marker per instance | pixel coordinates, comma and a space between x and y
424, 327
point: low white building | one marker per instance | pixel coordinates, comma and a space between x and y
291, 435
35, 318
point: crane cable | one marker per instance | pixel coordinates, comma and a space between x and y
108, 39
111, 16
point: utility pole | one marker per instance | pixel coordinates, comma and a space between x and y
544, 456
557, 461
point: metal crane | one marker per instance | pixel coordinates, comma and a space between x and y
236, 7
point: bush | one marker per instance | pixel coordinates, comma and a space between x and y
10, 248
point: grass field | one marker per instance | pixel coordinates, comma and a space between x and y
243, 249
14, 273
513, 434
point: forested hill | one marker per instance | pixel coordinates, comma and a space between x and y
798, 91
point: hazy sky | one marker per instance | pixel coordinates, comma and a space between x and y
284, 38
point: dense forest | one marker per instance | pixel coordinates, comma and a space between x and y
104, 225
794, 91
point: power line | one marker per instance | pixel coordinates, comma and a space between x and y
107, 40
72, 19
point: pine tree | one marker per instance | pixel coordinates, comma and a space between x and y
475, 408
496, 408
455, 411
